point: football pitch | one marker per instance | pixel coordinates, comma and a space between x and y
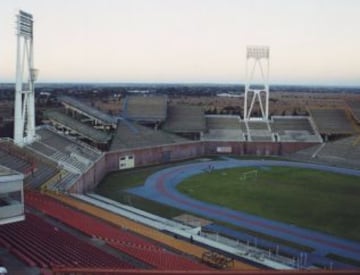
319, 200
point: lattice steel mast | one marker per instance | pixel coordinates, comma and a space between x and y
257, 64
26, 75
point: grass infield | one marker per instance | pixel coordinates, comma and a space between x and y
318, 200
114, 186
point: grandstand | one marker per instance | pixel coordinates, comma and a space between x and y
40, 244
258, 130
96, 116
62, 182
36, 169
221, 127
278, 129
130, 135
224, 122
354, 107
169, 240
61, 120
188, 122
66, 159
332, 121
121, 239
344, 152
290, 128
281, 124
145, 108
183, 119
12, 157
182, 229
59, 143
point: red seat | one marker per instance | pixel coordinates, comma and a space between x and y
38, 243
118, 238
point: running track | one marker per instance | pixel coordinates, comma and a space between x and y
161, 187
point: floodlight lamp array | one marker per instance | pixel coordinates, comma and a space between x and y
24, 24
258, 52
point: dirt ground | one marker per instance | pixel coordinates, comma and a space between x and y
281, 103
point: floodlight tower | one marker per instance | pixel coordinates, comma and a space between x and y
257, 65
26, 75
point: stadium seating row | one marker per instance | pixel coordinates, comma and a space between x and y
343, 152
123, 240
355, 109
132, 135
86, 109
10, 157
180, 245
82, 129
157, 258
288, 129
40, 244
184, 119
225, 122
145, 108
56, 142
35, 169
283, 124
332, 121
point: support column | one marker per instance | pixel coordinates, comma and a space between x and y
257, 81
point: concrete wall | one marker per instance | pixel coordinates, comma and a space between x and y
169, 153
156, 155
176, 152
257, 148
91, 178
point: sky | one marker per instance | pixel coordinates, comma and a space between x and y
313, 42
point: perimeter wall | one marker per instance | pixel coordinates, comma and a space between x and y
178, 152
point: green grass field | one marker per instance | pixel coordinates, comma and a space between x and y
323, 201
113, 186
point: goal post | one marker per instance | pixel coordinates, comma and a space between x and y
249, 175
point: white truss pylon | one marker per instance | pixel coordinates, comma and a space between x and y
257, 64
26, 75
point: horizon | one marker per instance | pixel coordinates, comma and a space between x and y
309, 85
312, 43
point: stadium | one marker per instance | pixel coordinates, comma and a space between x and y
54, 222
